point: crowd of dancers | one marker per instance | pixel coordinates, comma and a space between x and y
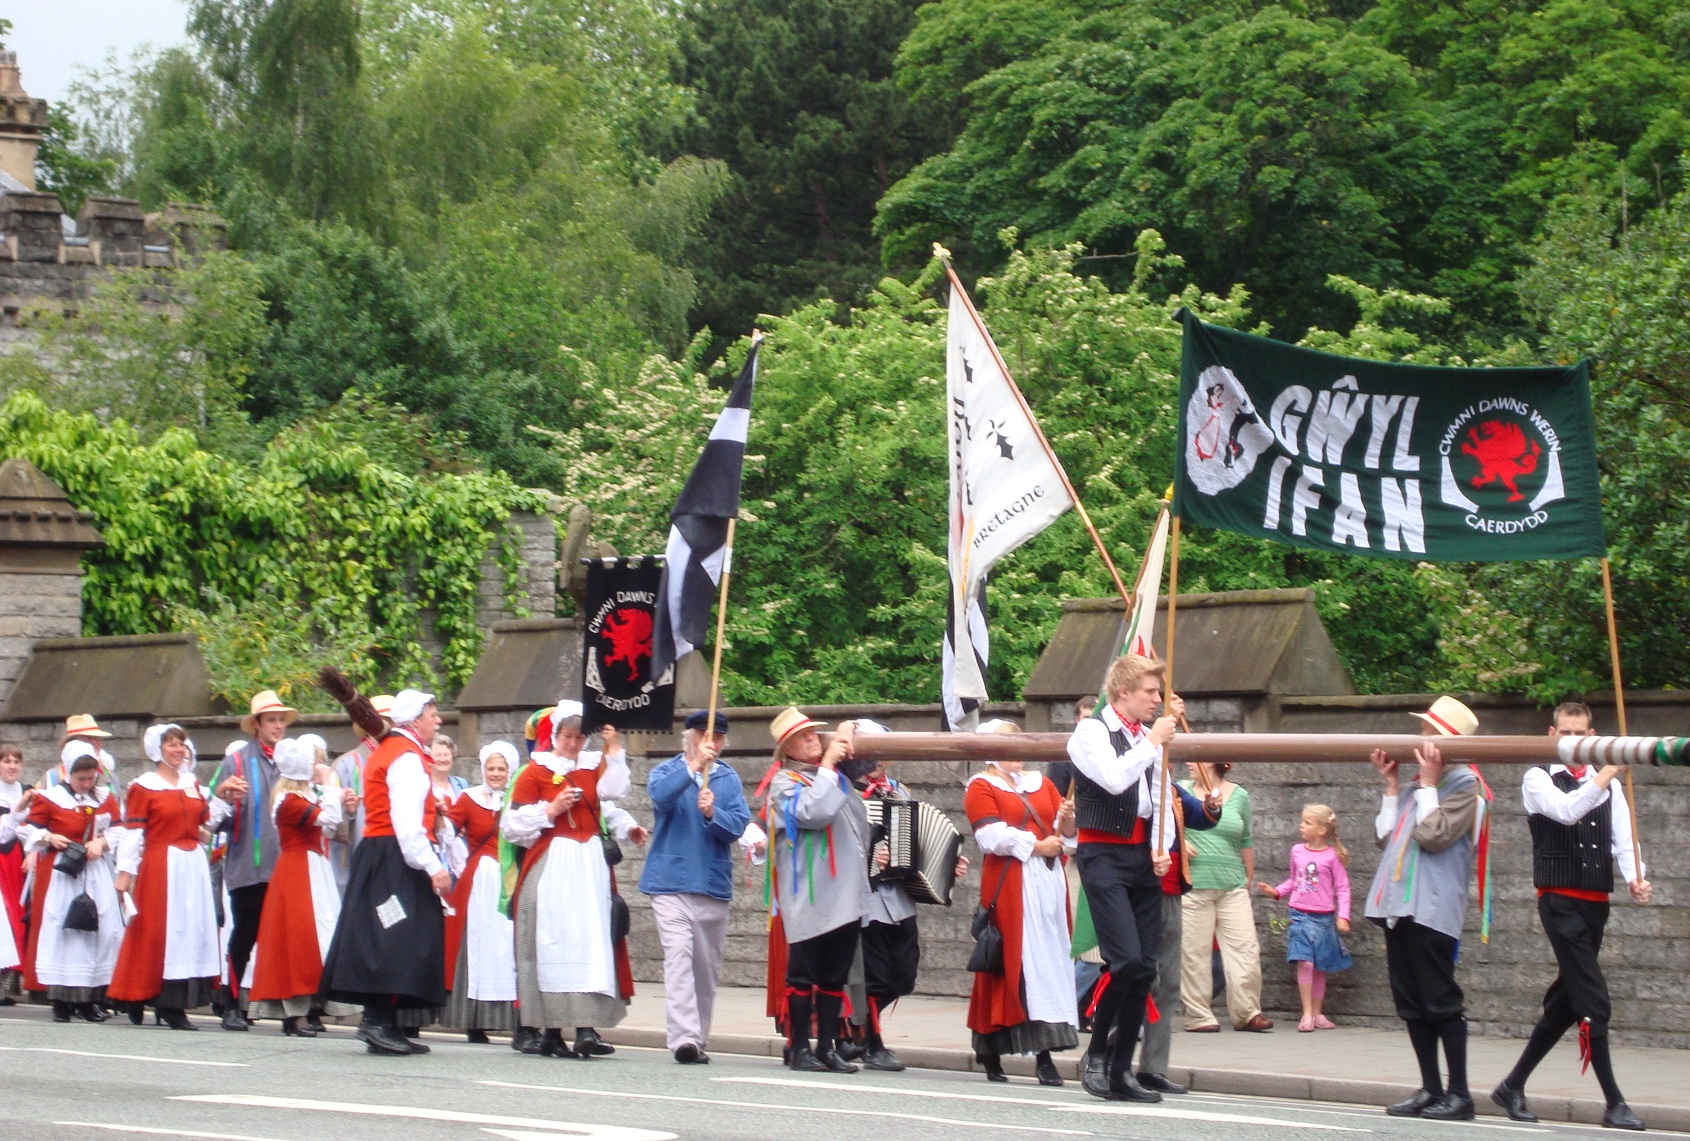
294, 887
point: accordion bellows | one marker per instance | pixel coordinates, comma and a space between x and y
922, 843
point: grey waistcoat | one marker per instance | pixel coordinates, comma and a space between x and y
1431, 887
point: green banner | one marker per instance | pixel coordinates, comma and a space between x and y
1393, 460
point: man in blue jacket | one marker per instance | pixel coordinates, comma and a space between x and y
689, 877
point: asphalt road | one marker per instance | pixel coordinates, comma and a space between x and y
79, 1082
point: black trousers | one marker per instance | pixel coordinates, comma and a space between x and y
1421, 961
891, 958
1125, 897
246, 905
1575, 928
823, 962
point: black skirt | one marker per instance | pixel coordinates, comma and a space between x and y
390, 943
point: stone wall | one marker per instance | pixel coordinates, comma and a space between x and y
34, 605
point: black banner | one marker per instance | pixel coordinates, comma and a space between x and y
616, 683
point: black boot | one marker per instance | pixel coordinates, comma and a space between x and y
1125, 1087
993, 1066
233, 1019
526, 1040
384, 1038
828, 1007
1094, 1074
588, 1044
799, 1005
292, 1029
476, 1037
176, 1018
61, 1011
314, 1022
552, 1045
88, 1012
1045, 1068
137, 1014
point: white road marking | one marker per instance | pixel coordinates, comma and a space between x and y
122, 1057
834, 1110
596, 1132
854, 1087
1171, 1113
161, 1132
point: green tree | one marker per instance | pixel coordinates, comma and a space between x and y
797, 97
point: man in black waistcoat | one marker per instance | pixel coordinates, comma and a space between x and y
1580, 829
1122, 856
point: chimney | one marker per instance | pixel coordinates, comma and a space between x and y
22, 120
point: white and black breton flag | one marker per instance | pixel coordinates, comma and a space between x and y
1005, 488
698, 553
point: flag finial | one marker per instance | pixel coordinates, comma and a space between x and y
941, 252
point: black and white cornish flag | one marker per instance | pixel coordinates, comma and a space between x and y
698, 552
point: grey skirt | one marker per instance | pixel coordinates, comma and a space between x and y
553, 1010
465, 1013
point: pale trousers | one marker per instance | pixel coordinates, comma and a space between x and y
694, 931
1224, 917
1158, 1035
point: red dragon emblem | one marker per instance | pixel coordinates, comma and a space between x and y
1504, 454
629, 633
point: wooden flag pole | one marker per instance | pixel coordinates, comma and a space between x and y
1074, 496
721, 629
1168, 668
1619, 709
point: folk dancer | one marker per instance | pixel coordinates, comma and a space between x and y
480, 937
1123, 856
170, 952
302, 904
76, 920
1581, 829
1429, 840
349, 771
14, 809
572, 972
246, 779
689, 876
818, 858
389, 947
1026, 830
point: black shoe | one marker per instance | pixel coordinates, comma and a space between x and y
137, 1014
61, 1011
417, 1047
1450, 1107
176, 1019
234, 1020
883, 1060
1126, 1088
292, 1029
552, 1045
690, 1055
1619, 1116
1159, 1083
476, 1037
1414, 1104
1513, 1103
805, 1061
1094, 1075
1045, 1069
588, 1044
993, 1066
412, 1031
88, 1012
526, 1040
383, 1038
315, 1022
834, 1064
850, 1051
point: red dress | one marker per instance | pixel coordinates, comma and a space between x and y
11, 890
479, 828
78, 823
294, 930
167, 821
995, 1003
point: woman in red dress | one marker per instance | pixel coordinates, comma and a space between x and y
170, 950
74, 966
302, 904
1020, 822
14, 807
480, 937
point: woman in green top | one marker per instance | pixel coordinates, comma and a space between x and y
1217, 909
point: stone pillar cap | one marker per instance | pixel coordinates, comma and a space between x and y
35, 511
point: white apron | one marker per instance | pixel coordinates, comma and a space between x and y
325, 900
191, 948
491, 938
1047, 973
572, 949
78, 958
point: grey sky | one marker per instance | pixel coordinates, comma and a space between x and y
53, 37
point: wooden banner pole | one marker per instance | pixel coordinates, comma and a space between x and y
1168, 673
1619, 708
721, 629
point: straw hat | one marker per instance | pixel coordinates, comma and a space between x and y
788, 723
82, 725
1450, 718
267, 701
382, 703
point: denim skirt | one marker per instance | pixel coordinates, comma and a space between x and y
1314, 939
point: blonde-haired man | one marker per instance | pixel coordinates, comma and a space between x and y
1117, 758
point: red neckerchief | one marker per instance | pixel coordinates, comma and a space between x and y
877, 786
269, 751
1577, 773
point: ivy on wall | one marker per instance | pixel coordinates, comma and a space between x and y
316, 550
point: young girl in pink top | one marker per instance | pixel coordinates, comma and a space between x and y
1319, 887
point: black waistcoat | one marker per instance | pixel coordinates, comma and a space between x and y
1578, 856
1099, 810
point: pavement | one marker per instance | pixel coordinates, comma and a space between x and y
1350, 1065
81, 1082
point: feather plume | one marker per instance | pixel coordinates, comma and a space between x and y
357, 706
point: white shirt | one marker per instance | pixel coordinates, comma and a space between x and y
1544, 799
522, 826
408, 790
1093, 754
1425, 803
998, 838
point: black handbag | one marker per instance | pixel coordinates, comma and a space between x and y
620, 920
82, 915
72, 858
612, 850
987, 958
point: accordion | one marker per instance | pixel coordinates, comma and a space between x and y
923, 845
